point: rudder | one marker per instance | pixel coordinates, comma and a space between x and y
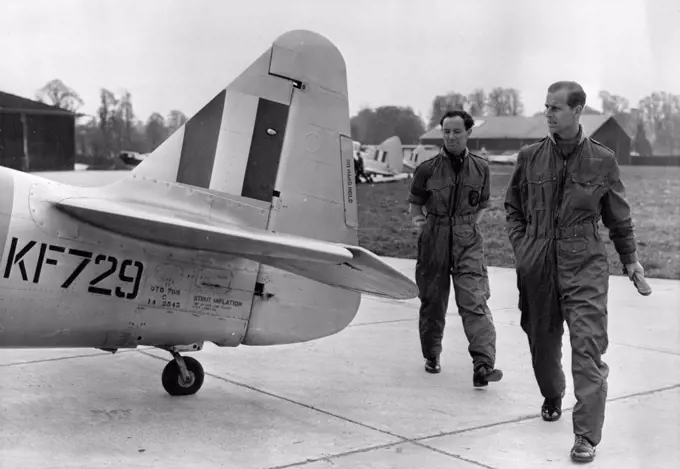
315, 196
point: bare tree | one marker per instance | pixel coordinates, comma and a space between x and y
613, 104
660, 112
477, 103
127, 117
107, 109
505, 102
155, 130
443, 103
58, 94
175, 120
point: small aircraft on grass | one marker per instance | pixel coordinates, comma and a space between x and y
385, 160
240, 228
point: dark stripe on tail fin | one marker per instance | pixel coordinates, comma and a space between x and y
265, 150
201, 133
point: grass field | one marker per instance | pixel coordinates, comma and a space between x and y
653, 192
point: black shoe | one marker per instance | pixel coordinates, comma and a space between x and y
432, 365
551, 410
583, 450
484, 374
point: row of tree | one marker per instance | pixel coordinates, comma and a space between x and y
115, 128
655, 123
373, 126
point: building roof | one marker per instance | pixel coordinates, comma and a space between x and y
518, 127
13, 103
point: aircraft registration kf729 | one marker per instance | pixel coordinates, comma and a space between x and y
240, 228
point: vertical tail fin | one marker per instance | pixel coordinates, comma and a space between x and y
385, 159
395, 157
277, 138
273, 150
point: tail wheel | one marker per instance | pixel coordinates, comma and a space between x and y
173, 382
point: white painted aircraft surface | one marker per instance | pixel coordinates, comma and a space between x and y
85, 178
385, 159
506, 157
239, 229
419, 155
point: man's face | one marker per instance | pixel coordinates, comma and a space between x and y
455, 135
560, 116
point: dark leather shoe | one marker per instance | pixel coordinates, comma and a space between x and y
432, 365
583, 450
551, 410
484, 374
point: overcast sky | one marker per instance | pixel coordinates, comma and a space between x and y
173, 54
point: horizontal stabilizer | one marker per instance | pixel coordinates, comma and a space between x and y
339, 265
365, 273
177, 229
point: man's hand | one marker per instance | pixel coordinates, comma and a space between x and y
631, 269
636, 273
419, 222
417, 216
479, 214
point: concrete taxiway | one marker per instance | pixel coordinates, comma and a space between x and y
359, 399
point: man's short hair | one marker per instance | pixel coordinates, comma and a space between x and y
467, 118
575, 94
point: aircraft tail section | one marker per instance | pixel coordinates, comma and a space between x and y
275, 139
394, 154
271, 154
385, 159
419, 155
314, 196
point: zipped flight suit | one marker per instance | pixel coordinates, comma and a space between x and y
450, 245
553, 204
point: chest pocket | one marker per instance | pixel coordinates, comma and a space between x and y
440, 194
585, 191
540, 190
471, 196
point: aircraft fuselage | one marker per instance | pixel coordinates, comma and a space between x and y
64, 283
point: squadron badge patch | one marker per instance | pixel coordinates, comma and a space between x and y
473, 198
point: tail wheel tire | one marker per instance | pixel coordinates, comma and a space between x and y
173, 382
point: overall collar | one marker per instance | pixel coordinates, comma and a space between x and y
581, 134
446, 153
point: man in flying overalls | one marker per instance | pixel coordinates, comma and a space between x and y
561, 187
448, 195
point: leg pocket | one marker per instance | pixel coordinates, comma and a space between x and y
465, 235
470, 278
